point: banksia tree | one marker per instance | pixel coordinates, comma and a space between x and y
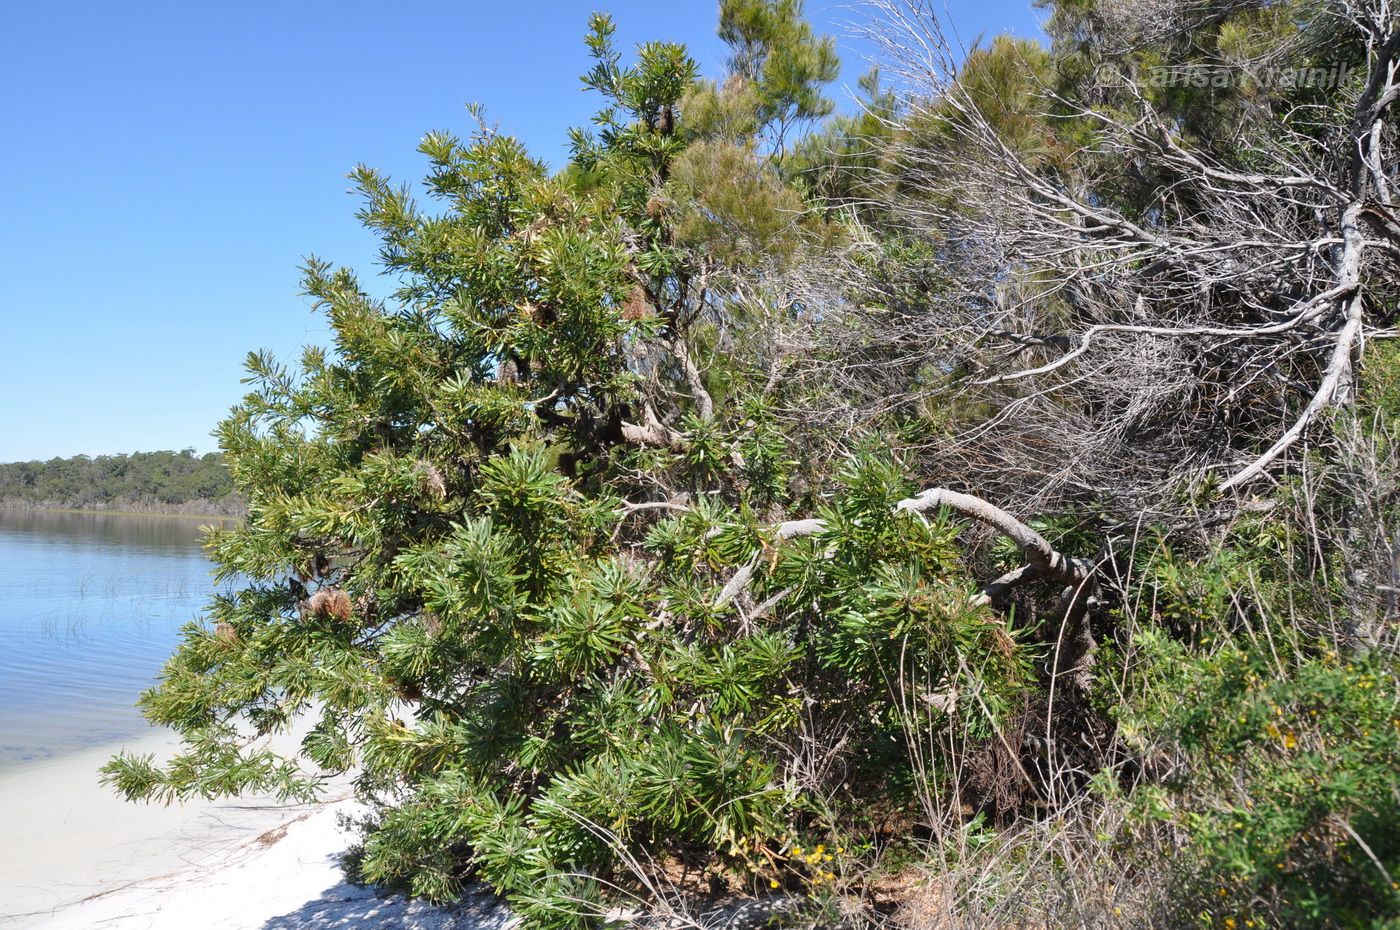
515, 550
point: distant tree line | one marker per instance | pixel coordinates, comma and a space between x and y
151, 481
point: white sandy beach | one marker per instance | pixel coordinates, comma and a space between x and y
76, 857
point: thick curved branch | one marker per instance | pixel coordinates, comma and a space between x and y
1334, 383
1044, 561
1038, 551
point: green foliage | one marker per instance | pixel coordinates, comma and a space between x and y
1286, 793
776, 52
639, 122
1276, 773
534, 683
731, 208
845, 163
1380, 382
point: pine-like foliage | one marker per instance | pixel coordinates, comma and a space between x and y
490, 528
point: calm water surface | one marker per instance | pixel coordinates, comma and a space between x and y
90, 607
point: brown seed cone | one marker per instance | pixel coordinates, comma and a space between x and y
330, 602
636, 307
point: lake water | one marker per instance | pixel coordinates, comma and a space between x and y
91, 605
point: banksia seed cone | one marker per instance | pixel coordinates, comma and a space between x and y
315, 566
636, 307
330, 602
225, 633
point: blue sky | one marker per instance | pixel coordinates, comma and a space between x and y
167, 165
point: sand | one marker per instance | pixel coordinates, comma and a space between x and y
73, 856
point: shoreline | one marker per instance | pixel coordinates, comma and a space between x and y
77, 856
102, 511
69, 838
286, 878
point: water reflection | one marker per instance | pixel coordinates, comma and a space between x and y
90, 607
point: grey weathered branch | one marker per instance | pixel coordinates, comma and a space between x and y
1306, 311
630, 507
704, 404
1043, 561
1337, 377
